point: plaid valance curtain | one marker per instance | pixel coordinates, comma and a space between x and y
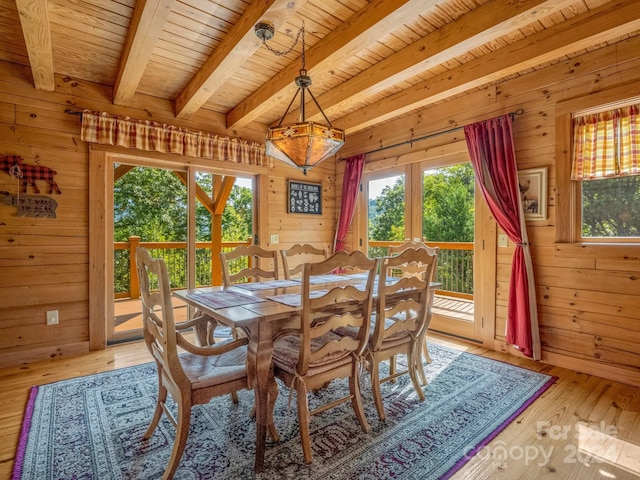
100, 127
606, 144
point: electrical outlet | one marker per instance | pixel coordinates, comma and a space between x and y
52, 317
275, 239
502, 240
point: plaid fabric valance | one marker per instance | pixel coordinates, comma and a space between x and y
100, 127
606, 144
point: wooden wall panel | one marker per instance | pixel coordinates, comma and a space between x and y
588, 296
44, 262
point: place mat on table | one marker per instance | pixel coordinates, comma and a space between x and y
316, 279
253, 286
224, 299
294, 299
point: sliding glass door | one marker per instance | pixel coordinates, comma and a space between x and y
152, 208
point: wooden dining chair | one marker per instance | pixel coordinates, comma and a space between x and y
308, 357
294, 258
394, 250
194, 376
261, 264
399, 327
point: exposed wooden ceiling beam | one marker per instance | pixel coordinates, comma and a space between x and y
234, 50
36, 29
147, 23
605, 23
476, 28
363, 28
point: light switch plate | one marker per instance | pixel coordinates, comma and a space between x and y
502, 240
52, 317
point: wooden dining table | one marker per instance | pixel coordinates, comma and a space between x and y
261, 309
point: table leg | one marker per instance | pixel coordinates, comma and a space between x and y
259, 372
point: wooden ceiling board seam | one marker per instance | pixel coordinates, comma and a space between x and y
116, 10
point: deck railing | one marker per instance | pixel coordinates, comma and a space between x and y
174, 255
455, 265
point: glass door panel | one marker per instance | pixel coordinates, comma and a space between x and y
385, 213
149, 209
448, 206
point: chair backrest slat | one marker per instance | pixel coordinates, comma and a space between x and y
294, 258
157, 315
342, 306
256, 270
409, 313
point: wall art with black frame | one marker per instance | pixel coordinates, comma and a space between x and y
305, 198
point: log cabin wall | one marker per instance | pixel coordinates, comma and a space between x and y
44, 262
588, 296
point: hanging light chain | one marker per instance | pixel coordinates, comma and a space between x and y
281, 53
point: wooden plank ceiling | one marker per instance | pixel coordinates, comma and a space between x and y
370, 60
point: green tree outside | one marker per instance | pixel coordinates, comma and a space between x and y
611, 207
152, 203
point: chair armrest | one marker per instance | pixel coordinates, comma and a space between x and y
193, 322
217, 349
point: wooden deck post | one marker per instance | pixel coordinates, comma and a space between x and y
134, 285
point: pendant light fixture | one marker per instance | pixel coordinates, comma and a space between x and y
303, 144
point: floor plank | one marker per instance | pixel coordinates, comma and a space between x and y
583, 427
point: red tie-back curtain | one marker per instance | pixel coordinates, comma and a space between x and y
490, 145
350, 184
100, 127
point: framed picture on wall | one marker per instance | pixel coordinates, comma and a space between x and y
305, 197
533, 191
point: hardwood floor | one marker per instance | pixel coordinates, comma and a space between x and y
583, 427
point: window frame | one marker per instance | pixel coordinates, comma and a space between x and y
568, 192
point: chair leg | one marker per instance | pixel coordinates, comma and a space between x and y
162, 397
303, 420
356, 399
234, 397
273, 396
415, 367
375, 387
182, 432
423, 352
392, 368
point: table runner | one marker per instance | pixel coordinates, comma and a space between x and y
224, 299
253, 286
294, 299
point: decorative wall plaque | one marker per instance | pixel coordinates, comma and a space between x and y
305, 197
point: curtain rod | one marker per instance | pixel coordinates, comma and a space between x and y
518, 112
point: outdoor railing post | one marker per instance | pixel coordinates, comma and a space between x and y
134, 285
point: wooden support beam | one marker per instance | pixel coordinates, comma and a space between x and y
120, 171
363, 28
234, 50
147, 23
470, 31
221, 189
36, 29
222, 194
602, 24
200, 193
599, 25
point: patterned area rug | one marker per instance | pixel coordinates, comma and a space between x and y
91, 427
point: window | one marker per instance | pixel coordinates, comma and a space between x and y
606, 165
